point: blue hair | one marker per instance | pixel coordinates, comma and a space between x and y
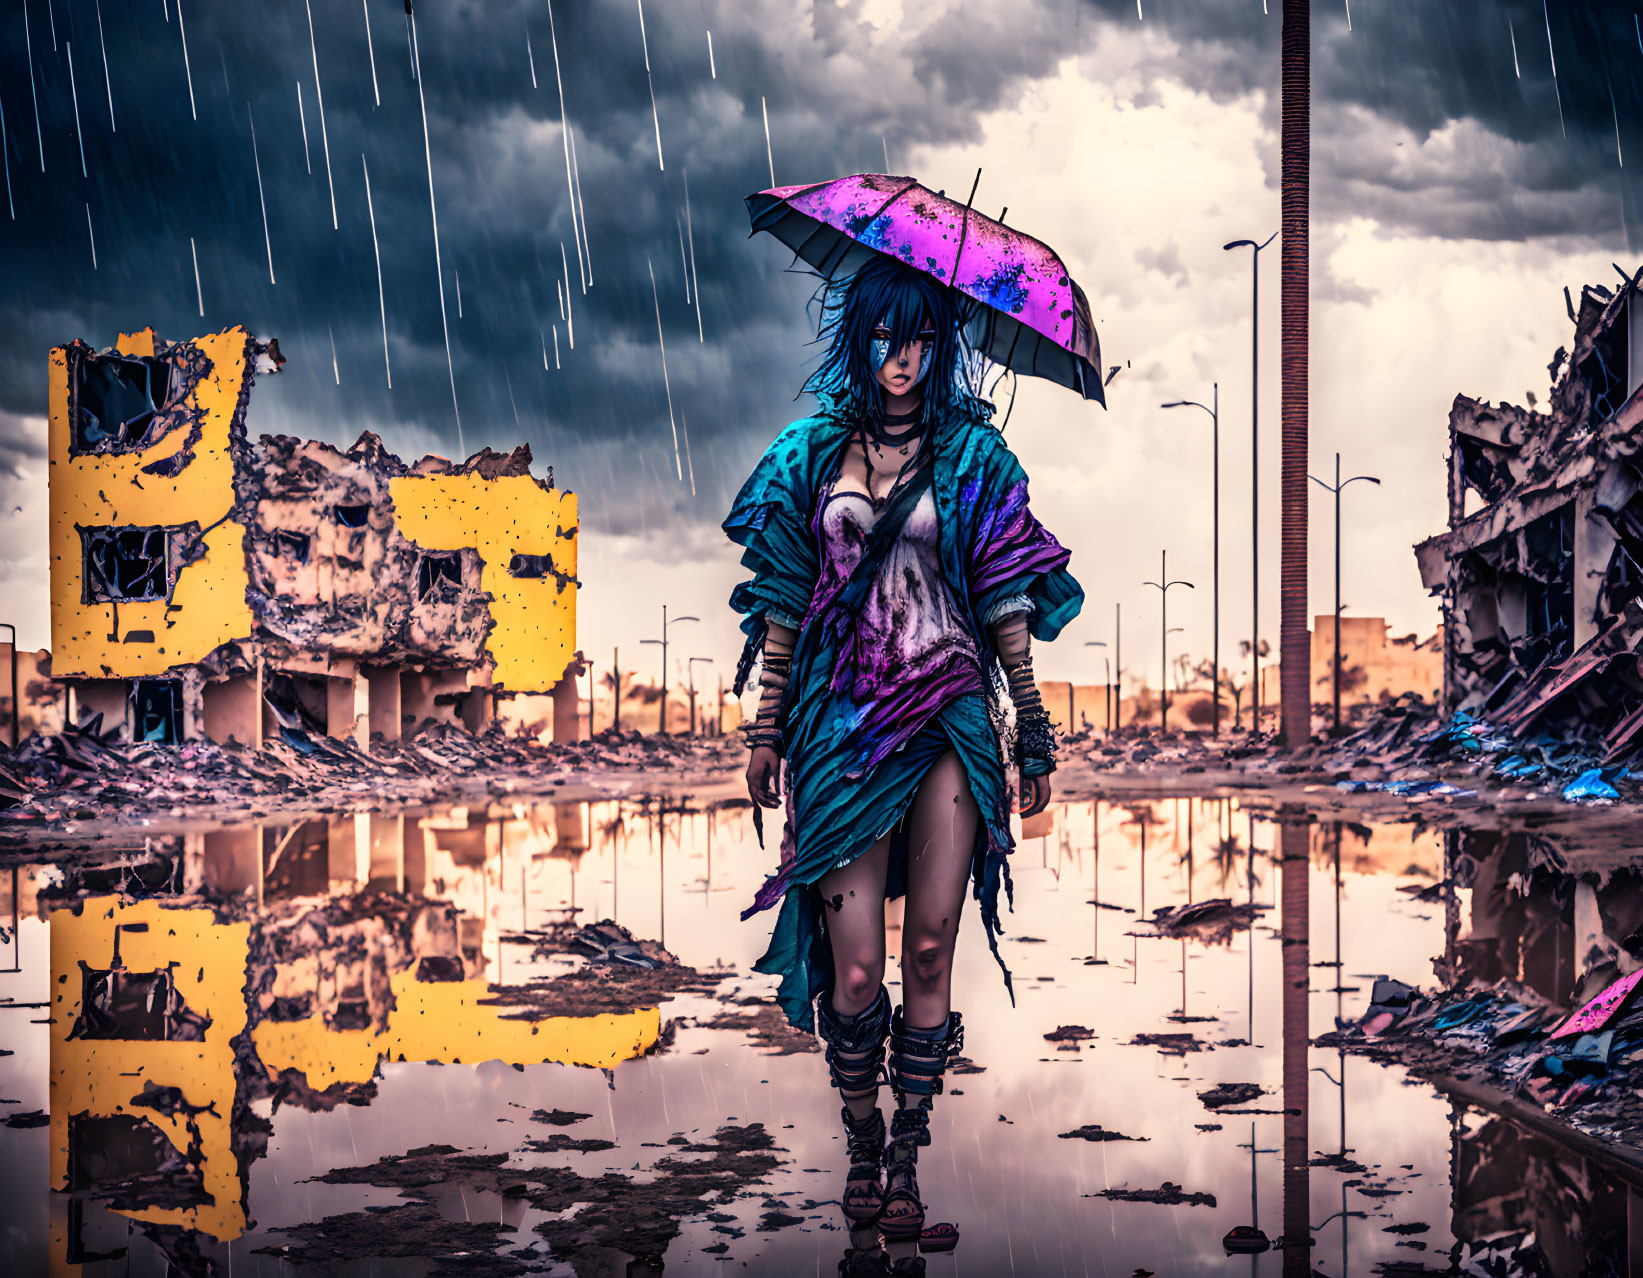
887, 292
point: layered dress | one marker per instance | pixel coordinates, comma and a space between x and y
892, 666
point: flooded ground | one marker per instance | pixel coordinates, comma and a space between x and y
221, 1047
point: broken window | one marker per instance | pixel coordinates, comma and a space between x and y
439, 576
353, 516
523, 565
292, 545
115, 400
1606, 369
124, 564
130, 1164
157, 711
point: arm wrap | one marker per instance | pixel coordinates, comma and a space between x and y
764, 729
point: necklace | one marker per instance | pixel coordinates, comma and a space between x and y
879, 428
879, 503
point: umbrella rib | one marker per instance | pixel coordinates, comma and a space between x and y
964, 228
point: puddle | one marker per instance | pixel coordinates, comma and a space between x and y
275, 1049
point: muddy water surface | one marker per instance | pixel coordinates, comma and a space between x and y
340, 1047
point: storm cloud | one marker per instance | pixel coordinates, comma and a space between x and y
1421, 122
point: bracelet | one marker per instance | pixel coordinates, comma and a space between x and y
759, 733
1035, 743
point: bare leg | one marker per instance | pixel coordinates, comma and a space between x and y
942, 830
855, 927
854, 897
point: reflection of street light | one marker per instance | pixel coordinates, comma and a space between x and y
1336, 489
663, 642
1107, 699
1215, 518
690, 669
1164, 583
1255, 462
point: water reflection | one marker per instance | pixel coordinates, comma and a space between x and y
219, 1018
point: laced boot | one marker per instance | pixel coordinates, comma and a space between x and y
918, 1060
855, 1060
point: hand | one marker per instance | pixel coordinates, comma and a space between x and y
1035, 795
764, 777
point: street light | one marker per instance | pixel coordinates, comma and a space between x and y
1255, 463
690, 669
1336, 489
663, 642
1164, 583
1214, 411
1107, 699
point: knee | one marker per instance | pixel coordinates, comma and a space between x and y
856, 985
928, 961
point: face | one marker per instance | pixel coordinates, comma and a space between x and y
901, 372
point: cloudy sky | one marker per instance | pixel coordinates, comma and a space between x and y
1457, 188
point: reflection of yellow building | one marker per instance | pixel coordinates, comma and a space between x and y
445, 1021
129, 982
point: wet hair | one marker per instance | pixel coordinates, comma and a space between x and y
887, 292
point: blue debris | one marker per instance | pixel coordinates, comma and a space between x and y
1589, 786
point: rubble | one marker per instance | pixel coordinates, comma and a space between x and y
87, 775
1168, 1194
1541, 571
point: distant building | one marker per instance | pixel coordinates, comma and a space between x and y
205, 583
1541, 571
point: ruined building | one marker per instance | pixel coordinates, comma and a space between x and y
208, 582
1541, 571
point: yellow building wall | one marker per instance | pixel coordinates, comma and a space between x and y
534, 636
207, 607
100, 1076
445, 1021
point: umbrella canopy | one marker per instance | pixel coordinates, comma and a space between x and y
1031, 317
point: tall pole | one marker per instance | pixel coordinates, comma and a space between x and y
1118, 665
1295, 188
1213, 408
1336, 673
1336, 488
616, 689
1164, 583
663, 725
1254, 468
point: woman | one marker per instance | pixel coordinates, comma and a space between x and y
896, 568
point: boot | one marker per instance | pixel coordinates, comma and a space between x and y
855, 1060
918, 1060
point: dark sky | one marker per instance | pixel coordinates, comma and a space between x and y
837, 99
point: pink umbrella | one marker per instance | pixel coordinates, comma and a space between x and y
1031, 316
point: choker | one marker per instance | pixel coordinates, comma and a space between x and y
879, 428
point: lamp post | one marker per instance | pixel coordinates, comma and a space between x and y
1095, 643
14, 697
1164, 583
690, 669
1213, 408
592, 687
1336, 489
1255, 463
663, 642
1118, 665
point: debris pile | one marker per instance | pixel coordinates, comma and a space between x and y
1542, 581
87, 774
1506, 1040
